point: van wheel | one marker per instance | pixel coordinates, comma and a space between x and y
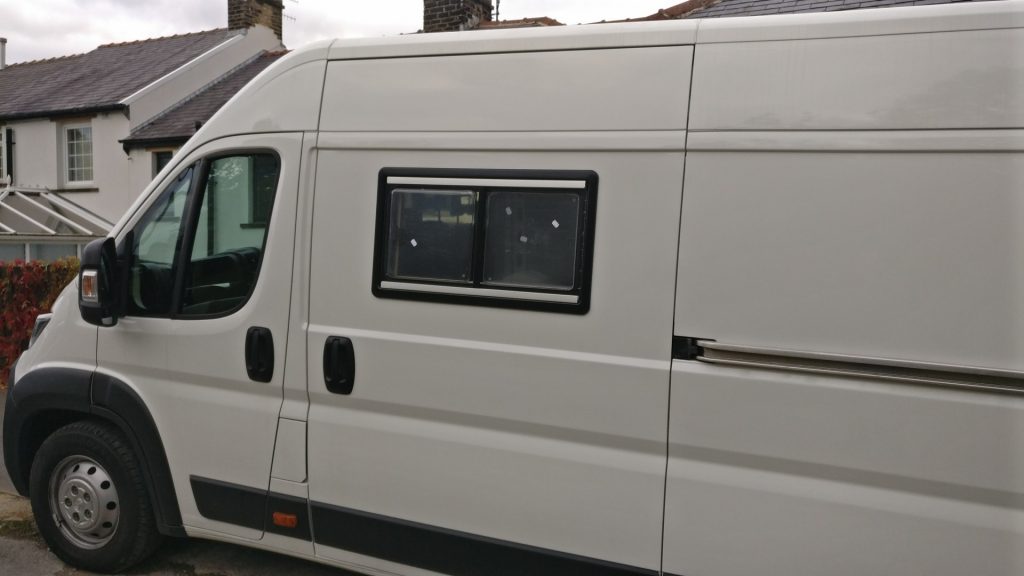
89, 499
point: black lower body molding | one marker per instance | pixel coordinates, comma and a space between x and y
393, 539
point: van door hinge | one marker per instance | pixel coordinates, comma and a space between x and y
686, 348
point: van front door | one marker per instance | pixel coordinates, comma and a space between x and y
205, 332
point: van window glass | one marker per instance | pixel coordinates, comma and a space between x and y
158, 237
226, 248
530, 239
430, 235
488, 237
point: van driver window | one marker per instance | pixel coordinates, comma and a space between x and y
226, 250
157, 240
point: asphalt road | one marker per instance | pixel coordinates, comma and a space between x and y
24, 553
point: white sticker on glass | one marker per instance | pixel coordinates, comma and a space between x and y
555, 223
523, 239
414, 243
508, 210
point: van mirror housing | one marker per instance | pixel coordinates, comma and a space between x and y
97, 283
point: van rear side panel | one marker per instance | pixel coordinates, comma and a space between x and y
863, 211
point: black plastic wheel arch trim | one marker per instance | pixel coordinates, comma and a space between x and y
62, 395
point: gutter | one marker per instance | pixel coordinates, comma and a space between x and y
64, 112
130, 143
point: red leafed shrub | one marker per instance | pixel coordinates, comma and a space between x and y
27, 289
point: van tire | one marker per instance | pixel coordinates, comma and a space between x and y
89, 498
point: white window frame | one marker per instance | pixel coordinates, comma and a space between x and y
152, 158
65, 156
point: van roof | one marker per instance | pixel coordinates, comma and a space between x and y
871, 22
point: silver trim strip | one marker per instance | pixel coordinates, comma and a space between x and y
971, 378
487, 292
413, 180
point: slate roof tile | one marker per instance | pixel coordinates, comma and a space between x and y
99, 79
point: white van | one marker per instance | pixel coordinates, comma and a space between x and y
732, 297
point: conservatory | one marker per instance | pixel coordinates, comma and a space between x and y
37, 224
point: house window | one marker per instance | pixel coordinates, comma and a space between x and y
161, 159
508, 238
78, 154
12, 252
51, 252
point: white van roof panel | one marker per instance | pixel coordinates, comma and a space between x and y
594, 36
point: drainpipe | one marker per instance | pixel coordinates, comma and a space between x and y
3, 53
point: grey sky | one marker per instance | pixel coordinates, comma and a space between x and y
46, 28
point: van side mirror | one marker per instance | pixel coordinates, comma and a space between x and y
97, 283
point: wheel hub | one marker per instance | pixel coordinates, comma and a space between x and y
84, 502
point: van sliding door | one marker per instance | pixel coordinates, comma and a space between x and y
850, 276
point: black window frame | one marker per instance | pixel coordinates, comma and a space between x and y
585, 236
258, 201
157, 154
189, 226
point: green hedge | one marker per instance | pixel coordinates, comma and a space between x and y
27, 289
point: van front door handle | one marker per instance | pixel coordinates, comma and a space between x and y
339, 365
259, 354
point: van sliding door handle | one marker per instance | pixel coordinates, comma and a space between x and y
339, 365
259, 354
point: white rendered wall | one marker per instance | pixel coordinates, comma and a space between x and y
35, 153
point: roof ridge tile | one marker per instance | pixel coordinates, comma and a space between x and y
44, 60
158, 38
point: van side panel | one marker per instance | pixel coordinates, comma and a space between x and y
961, 79
868, 203
487, 92
537, 432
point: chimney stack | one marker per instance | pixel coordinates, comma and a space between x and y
244, 14
455, 15
3, 53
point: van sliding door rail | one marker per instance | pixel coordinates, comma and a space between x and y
904, 371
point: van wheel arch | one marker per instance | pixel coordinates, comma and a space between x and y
47, 399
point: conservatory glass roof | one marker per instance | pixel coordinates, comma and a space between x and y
34, 213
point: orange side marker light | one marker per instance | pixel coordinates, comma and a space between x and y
285, 520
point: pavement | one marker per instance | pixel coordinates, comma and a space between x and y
23, 552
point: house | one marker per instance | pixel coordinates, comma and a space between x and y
95, 128
459, 15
